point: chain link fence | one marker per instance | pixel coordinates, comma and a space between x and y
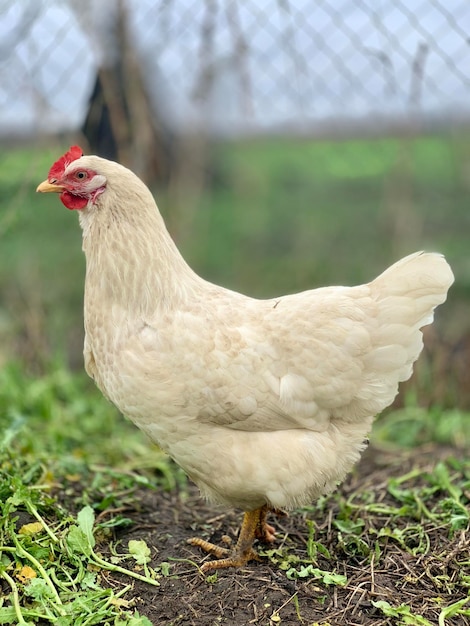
233, 66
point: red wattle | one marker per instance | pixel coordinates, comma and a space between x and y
73, 202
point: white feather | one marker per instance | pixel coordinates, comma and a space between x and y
260, 401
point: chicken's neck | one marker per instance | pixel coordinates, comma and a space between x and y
132, 262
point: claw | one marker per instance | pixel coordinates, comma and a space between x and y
209, 547
254, 526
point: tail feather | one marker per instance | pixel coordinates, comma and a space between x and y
410, 290
406, 295
419, 274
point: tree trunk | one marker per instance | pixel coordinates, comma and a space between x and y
122, 124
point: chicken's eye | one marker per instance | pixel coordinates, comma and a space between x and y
80, 175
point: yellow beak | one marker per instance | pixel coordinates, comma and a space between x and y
47, 187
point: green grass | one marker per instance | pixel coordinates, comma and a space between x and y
400, 536
62, 463
293, 214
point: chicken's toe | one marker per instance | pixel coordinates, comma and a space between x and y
264, 531
237, 560
209, 547
254, 525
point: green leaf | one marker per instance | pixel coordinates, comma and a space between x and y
77, 542
134, 620
404, 612
11, 431
328, 578
64, 620
454, 609
86, 519
8, 615
139, 620
349, 526
89, 581
80, 539
334, 579
140, 551
165, 568
38, 589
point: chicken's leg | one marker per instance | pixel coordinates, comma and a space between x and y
253, 526
264, 531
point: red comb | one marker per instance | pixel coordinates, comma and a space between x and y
60, 165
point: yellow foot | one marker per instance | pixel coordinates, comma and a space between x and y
254, 526
226, 557
264, 531
209, 547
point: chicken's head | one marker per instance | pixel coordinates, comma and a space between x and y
77, 184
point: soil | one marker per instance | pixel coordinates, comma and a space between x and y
261, 594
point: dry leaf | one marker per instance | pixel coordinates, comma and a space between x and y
31, 529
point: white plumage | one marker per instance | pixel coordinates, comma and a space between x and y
264, 403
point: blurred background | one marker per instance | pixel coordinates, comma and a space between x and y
289, 143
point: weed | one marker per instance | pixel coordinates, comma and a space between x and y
50, 565
66, 482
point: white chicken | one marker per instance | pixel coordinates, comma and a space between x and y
265, 404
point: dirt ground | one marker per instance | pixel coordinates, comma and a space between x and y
261, 594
